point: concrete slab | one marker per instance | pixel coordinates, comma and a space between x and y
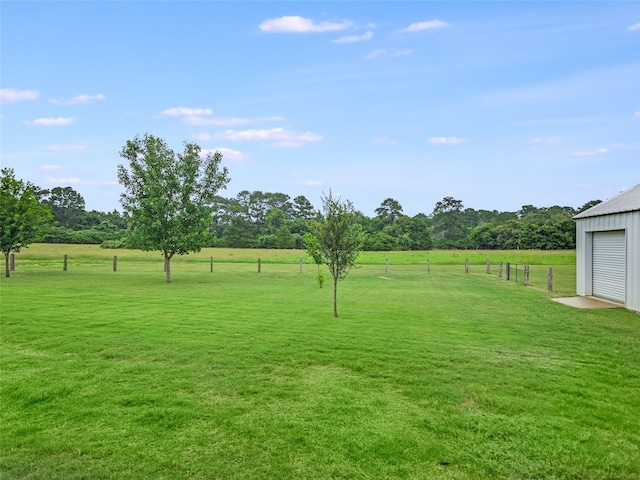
588, 302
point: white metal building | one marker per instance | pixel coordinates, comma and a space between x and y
608, 250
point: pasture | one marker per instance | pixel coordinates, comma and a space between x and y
235, 374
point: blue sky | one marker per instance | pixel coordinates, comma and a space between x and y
498, 104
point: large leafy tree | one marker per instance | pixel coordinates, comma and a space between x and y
337, 238
22, 217
169, 197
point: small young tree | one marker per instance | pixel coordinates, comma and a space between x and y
22, 217
169, 197
338, 237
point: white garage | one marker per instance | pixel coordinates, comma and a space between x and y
608, 250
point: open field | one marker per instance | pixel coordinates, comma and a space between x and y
235, 374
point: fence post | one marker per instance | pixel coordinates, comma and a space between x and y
466, 265
12, 262
488, 266
64, 265
386, 266
508, 270
300, 265
550, 279
526, 275
428, 267
259, 265
500, 270
115, 263
211, 264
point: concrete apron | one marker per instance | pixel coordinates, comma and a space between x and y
588, 302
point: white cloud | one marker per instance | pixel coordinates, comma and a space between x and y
203, 137
381, 52
354, 38
447, 140
49, 168
186, 112
84, 98
635, 26
62, 181
389, 142
10, 95
77, 181
281, 136
637, 114
66, 148
313, 183
228, 121
295, 24
547, 140
375, 54
589, 153
227, 154
50, 122
428, 25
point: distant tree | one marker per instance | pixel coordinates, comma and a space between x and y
588, 205
67, 206
169, 196
420, 233
389, 210
339, 239
448, 222
302, 208
22, 217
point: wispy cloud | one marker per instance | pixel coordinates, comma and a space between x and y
295, 24
84, 98
186, 112
637, 114
381, 52
428, 25
10, 95
313, 183
203, 137
227, 154
50, 122
635, 26
354, 38
66, 148
447, 140
589, 153
547, 140
50, 168
78, 181
389, 142
228, 121
280, 136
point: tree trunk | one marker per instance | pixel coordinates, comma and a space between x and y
167, 264
335, 297
6, 265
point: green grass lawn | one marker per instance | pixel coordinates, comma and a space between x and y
237, 374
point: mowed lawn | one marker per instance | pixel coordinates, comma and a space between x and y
239, 374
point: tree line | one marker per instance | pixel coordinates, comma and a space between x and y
275, 220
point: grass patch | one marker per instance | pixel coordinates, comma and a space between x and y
237, 374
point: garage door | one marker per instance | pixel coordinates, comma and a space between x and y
609, 265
